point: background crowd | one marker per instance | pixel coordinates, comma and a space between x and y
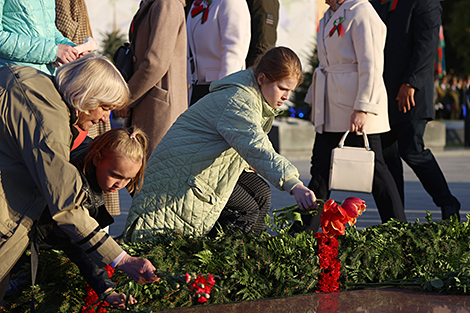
452, 97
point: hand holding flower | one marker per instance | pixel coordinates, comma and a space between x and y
139, 269
305, 197
118, 300
333, 218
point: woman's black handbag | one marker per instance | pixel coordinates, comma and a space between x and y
124, 56
123, 60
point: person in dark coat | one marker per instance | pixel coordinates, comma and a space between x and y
411, 45
264, 19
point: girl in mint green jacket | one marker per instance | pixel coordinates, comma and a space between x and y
28, 35
194, 169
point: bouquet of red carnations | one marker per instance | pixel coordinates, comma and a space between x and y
334, 217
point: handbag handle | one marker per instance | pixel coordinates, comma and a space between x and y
343, 139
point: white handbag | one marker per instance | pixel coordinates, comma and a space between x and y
352, 168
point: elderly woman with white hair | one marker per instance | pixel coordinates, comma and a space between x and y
37, 129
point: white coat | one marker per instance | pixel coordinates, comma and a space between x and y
220, 45
349, 76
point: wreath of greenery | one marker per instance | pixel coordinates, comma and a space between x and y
434, 256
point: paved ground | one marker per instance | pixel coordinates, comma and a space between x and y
454, 163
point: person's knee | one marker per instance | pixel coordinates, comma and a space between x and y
414, 153
410, 149
264, 190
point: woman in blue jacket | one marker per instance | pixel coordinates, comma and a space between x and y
29, 36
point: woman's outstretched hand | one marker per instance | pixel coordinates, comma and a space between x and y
139, 269
305, 197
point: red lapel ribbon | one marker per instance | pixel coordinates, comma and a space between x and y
201, 6
135, 15
337, 27
393, 4
133, 20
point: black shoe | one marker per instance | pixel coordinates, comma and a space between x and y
451, 209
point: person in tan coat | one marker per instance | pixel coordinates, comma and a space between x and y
39, 114
158, 85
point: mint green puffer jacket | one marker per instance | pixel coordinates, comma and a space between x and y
193, 170
28, 35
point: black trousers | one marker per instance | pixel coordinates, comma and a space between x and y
405, 141
4, 286
247, 206
384, 190
198, 92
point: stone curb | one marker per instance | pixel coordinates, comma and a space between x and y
452, 152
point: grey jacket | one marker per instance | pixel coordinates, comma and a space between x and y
35, 171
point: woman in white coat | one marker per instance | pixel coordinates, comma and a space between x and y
348, 93
219, 33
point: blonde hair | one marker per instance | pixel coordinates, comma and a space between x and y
91, 82
132, 142
278, 63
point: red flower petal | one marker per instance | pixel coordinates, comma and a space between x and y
354, 206
330, 205
202, 299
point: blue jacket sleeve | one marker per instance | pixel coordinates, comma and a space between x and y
29, 49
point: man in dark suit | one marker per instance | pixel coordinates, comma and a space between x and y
411, 45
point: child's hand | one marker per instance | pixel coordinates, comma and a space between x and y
305, 197
118, 300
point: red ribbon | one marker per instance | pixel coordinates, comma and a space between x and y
337, 27
201, 6
393, 4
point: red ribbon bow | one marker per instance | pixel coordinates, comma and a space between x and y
393, 4
201, 6
337, 27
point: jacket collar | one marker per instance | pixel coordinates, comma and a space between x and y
73, 122
73, 114
267, 110
138, 17
192, 22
